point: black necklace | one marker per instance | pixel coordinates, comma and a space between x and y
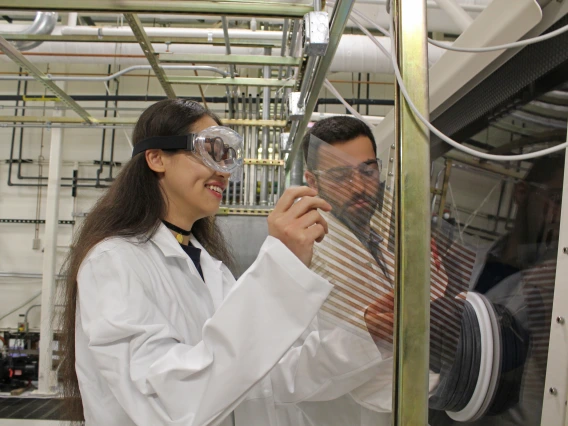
180, 232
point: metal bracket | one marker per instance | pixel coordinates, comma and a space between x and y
316, 33
285, 142
295, 112
148, 50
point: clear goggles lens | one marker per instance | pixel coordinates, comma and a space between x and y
222, 150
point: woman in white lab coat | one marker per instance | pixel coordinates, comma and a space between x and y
152, 337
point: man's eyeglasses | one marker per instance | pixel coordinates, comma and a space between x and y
370, 169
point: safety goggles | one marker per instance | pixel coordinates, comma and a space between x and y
370, 169
220, 148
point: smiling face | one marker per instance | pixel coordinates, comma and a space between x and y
192, 190
347, 175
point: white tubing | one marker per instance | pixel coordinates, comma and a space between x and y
205, 33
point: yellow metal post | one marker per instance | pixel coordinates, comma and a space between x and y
412, 313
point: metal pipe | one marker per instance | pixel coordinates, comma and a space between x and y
254, 154
47, 379
44, 24
265, 134
72, 19
297, 171
445, 183
119, 73
231, 67
283, 46
306, 80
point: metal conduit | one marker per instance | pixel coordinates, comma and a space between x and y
119, 73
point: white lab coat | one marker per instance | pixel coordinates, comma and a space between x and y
194, 353
156, 346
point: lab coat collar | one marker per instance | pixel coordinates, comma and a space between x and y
167, 243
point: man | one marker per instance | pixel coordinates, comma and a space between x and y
341, 158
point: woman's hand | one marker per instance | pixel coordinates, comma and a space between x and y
298, 224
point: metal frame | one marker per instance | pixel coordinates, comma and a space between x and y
16, 56
211, 7
338, 20
148, 50
412, 239
124, 121
556, 387
231, 59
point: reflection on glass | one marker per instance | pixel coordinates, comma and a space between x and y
516, 278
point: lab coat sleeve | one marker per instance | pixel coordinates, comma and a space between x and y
159, 379
330, 362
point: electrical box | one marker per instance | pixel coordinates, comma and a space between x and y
294, 111
316, 33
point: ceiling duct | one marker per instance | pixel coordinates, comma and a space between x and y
44, 24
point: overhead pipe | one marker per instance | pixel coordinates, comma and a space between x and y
44, 24
117, 74
355, 53
456, 13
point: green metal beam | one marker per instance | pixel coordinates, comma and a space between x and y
412, 196
132, 39
16, 56
148, 50
212, 7
238, 81
231, 59
338, 20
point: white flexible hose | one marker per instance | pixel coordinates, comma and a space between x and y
352, 110
448, 140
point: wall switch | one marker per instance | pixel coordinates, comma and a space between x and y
36, 244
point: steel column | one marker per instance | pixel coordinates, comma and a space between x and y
47, 377
412, 289
338, 20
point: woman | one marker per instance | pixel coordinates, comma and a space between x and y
157, 330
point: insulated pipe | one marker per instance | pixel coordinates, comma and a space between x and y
47, 380
44, 24
456, 13
72, 19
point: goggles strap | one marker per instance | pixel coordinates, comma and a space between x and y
166, 143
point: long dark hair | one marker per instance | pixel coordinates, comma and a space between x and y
132, 206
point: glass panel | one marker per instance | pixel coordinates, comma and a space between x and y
358, 258
498, 373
